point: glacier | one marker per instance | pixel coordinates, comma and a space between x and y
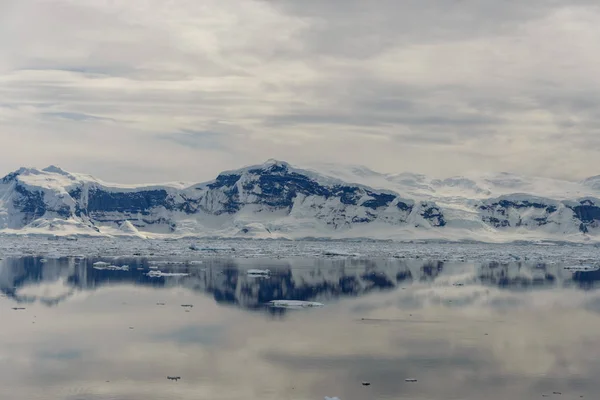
276, 200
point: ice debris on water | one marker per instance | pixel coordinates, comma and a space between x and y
259, 272
108, 267
332, 398
212, 249
561, 253
166, 262
100, 264
294, 304
582, 268
339, 253
160, 274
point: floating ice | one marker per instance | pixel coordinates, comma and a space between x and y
294, 304
101, 264
211, 248
565, 254
339, 253
581, 268
160, 274
167, 262
108, 267
259, 272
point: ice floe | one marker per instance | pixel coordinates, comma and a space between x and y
160, 274
294, 304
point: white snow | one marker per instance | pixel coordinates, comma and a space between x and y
460, 198
474, 185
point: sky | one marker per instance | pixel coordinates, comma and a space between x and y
150, 91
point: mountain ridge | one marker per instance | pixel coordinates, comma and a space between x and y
278, 200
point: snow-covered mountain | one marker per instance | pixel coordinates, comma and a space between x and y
277, 200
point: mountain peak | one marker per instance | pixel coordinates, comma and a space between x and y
53, 169
271, 162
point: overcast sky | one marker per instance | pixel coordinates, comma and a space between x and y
149, 90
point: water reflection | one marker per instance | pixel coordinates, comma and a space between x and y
228, 283
464, 331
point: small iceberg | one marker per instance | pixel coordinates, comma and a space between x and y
101, 266
259, 272
294, 304
160, 274
332, 398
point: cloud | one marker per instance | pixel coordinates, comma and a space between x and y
440, 88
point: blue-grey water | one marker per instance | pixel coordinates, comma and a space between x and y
69, 330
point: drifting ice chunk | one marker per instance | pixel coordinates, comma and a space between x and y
213, 249
339, 253
159, 262
331, 398
106, 266
159, 274
101, 264
259, 272
294, 304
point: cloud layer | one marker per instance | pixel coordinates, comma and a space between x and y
147, 90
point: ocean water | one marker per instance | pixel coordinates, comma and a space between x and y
91, 328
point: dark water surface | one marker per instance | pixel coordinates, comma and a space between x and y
463, 331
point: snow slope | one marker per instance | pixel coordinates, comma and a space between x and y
277, 200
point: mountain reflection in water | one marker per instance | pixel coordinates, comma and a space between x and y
228, 283
461, 330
